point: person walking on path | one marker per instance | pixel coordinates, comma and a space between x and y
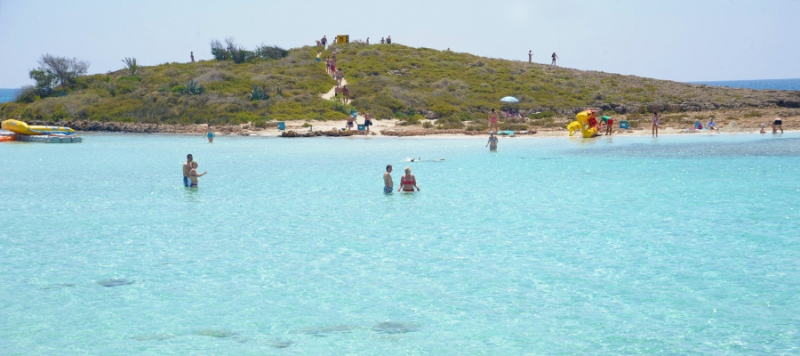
345, 94
388, 184
187, 168
339, 76
408, 182
493, 121
191, 54
492, 141
655, 125
555, 57
530, 56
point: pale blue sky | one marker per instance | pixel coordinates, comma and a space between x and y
681, 40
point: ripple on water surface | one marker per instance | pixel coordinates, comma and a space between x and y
681, 244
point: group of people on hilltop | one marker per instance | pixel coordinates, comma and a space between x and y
324, 41
554, 57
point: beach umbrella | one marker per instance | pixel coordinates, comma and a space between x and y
509, 99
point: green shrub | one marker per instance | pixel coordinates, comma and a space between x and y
443, 109
334, 115
450, 122
512, 127
414, 120
427, 124
478, 127
543, 114
260, 123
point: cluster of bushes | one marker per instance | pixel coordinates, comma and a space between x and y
238, 54
55, 76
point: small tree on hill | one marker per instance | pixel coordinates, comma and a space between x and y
65, 70
130, 65
218, 50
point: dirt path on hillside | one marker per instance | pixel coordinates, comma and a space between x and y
331, 94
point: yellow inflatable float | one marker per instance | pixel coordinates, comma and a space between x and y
21, 128
586, 122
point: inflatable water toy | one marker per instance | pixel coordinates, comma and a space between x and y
6, 138
21, 128
506, 133
586, 122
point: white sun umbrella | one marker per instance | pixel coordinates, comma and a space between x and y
509, 99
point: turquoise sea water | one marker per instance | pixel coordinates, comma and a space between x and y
679, 245
777, 84
7, 95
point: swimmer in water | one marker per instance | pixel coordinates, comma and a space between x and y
492, 141
388, 184
187, 167
408, 182
210, 134
193, 175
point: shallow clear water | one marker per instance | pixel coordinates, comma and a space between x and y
681, 245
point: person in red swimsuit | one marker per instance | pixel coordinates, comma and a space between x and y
408, 182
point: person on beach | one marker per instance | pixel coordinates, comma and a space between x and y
388, 184
555, 57
493, 121
388, 39
530, 56
492, 141
210, 134
350, 122
609, 122
763, 128
367, 121
408, 182
187, 168
339, 76
193, 175
777, 124
655, 125
711, 125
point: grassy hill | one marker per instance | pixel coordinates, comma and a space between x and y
386, 80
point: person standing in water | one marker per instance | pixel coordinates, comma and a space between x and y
210, 134
493, 121
193, 175
408, 182
187, 168
492, 141
655, 124
388, 184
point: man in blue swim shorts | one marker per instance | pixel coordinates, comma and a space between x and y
187, 167
388, 184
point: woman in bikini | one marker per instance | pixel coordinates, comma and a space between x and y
493, 121
655, 125
408, 182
